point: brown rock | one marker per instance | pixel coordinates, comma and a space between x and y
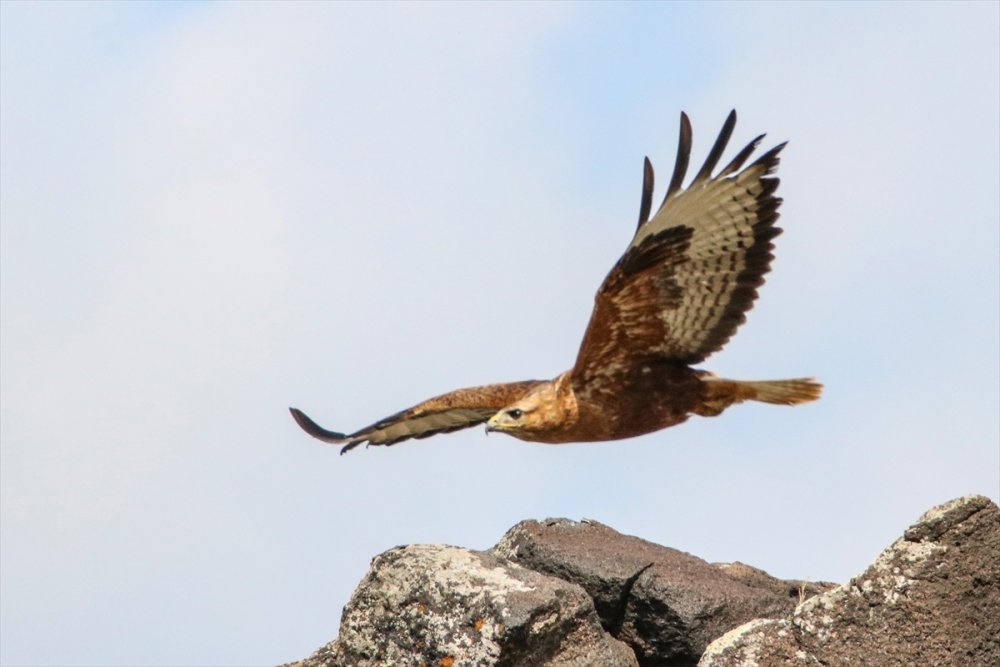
757, 578
666, 604
931, 598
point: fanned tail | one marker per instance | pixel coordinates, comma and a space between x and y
783, 392
721, 393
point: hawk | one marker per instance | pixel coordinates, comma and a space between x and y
677, 295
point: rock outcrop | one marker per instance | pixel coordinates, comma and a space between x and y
667, 605
931, 598
579, 594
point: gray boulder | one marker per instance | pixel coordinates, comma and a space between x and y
450, 607
931, 598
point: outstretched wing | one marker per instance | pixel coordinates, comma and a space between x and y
691, 272
442, 414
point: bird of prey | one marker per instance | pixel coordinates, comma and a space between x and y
677, 295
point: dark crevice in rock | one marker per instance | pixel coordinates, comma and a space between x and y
613, 622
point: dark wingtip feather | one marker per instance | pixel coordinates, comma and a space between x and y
683, 156
646, 203
770, 158
741, 157
717, 149
317, 431
349, 446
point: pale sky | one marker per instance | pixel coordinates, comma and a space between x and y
213, 211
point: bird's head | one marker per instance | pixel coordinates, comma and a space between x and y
544, 411
512, 420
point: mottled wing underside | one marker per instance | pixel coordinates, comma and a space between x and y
691, 272
449, 412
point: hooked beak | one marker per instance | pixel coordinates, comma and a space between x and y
493, 424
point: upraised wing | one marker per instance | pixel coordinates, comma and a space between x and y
692, 271
449, 412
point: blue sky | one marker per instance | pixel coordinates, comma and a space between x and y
210, 212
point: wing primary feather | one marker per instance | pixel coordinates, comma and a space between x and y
320, 433
741, 157
717, 149
770, 158
683, 156
646, 203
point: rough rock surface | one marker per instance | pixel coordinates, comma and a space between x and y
579, 594
666, 604
931, 598
450, 607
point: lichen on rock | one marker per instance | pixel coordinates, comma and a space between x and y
931, 598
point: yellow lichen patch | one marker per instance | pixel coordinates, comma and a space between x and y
421, 607
447, 661
479, 624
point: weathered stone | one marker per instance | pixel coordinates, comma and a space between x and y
448, 607
761, 643
795, 589
666, 604
931, 598
324, 656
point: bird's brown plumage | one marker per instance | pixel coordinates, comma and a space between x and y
677, 295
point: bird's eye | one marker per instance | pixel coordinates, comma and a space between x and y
514, 414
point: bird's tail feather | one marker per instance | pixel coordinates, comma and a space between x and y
782, 392
721, 393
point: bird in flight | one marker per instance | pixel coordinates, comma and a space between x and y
677, 295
